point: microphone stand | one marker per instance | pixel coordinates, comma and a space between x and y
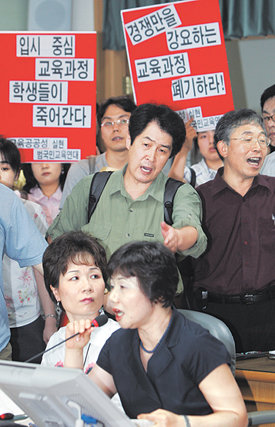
51, 348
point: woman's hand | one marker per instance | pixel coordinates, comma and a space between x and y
74, 346
83, 328
163, 418
190, 134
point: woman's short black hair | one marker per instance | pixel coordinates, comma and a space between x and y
10, 154
73, 246
168, 120
152, 264
31, 181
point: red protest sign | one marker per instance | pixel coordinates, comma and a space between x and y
177, 56
48, 94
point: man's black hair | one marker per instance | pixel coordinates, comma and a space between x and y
168, 120
152, 264
267, 93
124, 102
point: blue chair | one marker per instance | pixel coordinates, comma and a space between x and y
219, 330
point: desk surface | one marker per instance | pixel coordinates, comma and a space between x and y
257, 370
261, 364
7, 405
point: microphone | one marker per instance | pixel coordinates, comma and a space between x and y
96, 323
99, 321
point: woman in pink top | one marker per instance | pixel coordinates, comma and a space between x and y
44, 185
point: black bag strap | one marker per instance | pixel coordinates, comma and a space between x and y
100, 180
193, 177
97, 186
171, 187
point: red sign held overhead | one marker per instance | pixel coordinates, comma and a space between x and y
48, 94
177, 56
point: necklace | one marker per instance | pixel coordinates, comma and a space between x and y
162, 338
148, 351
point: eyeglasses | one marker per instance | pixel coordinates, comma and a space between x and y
269, 118
119, 122
261, 139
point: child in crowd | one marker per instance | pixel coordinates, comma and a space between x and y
44, 185
22, 285
203, 171
75, 274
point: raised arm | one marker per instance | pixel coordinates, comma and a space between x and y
47, 305
74, 346
74, 355
179, 163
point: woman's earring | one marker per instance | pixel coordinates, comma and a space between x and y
58, 311
58, 308
106, 291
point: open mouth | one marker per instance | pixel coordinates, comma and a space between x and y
118, 314
146, 169
254, 161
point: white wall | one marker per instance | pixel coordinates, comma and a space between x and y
251, 66
13, 15
83, 15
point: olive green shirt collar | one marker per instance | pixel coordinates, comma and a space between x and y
155, 189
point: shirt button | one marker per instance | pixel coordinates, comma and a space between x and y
128, 234
131, 210
245, 242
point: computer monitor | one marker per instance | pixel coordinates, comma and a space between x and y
54, 397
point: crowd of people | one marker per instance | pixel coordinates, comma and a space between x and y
124, 264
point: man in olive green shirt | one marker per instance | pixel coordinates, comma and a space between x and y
131, 204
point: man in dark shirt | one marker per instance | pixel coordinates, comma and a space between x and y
235, 278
